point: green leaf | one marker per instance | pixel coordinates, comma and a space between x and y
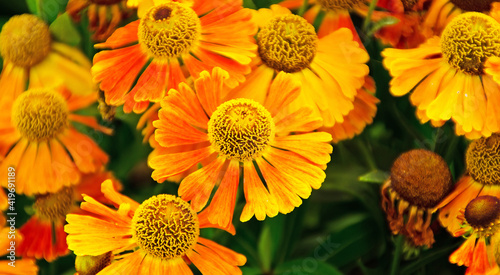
48, 10
306, 266
249, 4
34, 6
251, 270
375, 176
386, 21
269, 240
65, 31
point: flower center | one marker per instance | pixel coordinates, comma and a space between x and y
91, 265
25, 40
408, 4
482, 212
473, 5
241, 129
421, 177
287, 43
169, 30
40, 114
54, 206
105, 2
165, 226
483, 160
334, 5
468, 40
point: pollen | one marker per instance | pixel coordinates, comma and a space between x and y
483, 212
468, 40
169, 30
287, 43
25, 40
241, 129
421, 177
165, 226
54, 206
91, 265
336, 5
483, 160
40, 114
473, 5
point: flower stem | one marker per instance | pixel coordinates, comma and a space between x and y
397, 255
303, 8
368, 17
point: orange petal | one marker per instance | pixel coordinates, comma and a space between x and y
210, 89
313, 146
121, 37
258, 200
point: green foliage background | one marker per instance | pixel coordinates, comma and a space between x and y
340, 229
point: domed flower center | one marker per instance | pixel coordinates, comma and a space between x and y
241, 129
473, 5
421, 177
165, 226
25, 40
169, 30
334, 5
408, 4
287, 43
105, 2
54, 206
468, 40
40, 114
91, 265
482, 212
483, 160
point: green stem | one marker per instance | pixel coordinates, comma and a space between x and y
303, 8
368, 17
366, 155
397, 255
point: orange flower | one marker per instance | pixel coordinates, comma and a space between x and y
49, 218
482, 178
37, 136
30, 56
408, 31
201, 36
97, 12
238, 137
140, 245
480, 226
330, 68
447, 76
441, 12
21, 266
419, 180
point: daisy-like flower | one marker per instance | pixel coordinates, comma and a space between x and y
236, 138
441, 12
159, 236
104, 15
408, 31
480, 226
200, 36
24, 266
482, 161
31, 56
38, 139
447, 78
43, 233
419, 180
332, 70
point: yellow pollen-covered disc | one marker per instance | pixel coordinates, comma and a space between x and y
335, 5
473, 5
169, 30
482, 211
287, 43
40, 114
468, 40
421, 177
165, 226
25, 40
482, 160
54, 206
241, 129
